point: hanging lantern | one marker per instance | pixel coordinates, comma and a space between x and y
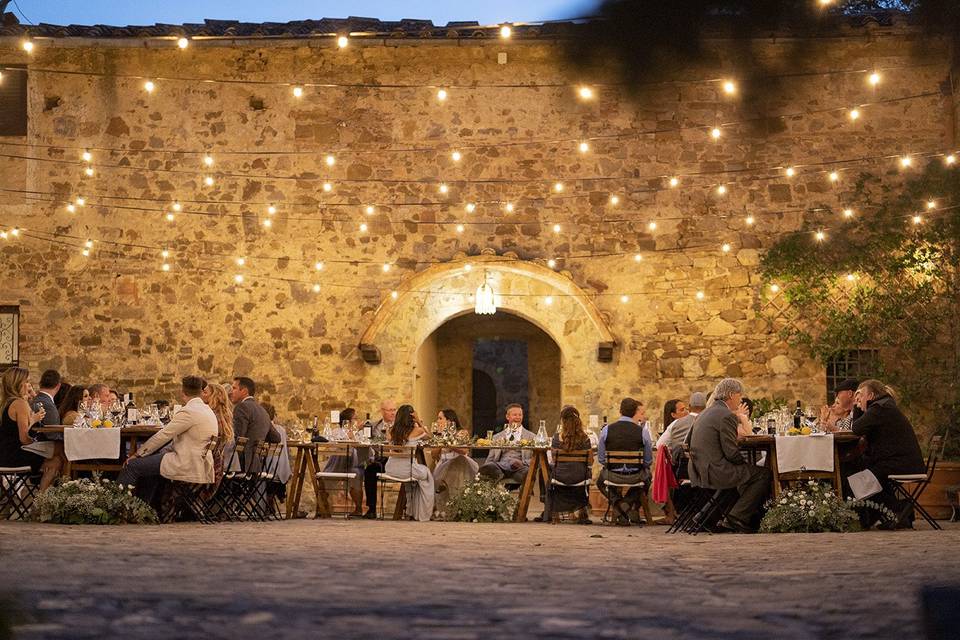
485, 303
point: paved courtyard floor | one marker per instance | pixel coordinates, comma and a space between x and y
361, 579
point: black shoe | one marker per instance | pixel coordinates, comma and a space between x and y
737, 526
370, 515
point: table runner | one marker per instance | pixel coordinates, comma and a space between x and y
91, 444
805, 453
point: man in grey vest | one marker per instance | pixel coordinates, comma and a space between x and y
715, 460
628, 433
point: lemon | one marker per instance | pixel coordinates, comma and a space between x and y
96, 423
805, 431
793, 432
109, 423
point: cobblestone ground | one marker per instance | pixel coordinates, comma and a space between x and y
361, 579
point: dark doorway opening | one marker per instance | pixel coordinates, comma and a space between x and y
504, 364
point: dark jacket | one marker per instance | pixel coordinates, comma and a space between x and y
52, 416
251, 421
892, 446
715, 460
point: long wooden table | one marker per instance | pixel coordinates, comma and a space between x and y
768, 443
305, 461
131, 435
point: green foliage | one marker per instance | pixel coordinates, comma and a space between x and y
95, 501
763, 406
481, 501
905, 293
813, 508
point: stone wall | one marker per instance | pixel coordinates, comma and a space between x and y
116, 316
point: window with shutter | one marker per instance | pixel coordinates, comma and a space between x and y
13, 100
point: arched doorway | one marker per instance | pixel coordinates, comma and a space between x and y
477, 365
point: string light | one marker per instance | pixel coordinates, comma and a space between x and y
460, 228
950, 159
330, 160
342, 42
71, 208
791, 172
85, 252
316, 288
15, 232
873, 79
854, 114
89, 172
470, 207
164, 254
775, 287
505, 31
456, 156
468, 267
177, 206
3, 235
652, 226
834, 176
394, 295
443, 188
917, 219
27, 46
624, 299
363, 227
674, 181
442, 95
614, 200
208, 181
183, 43
509, 207
327, 187
700, 295
165, 267
208, 160
729, 87
238, 278
318, 266
386, 267
268, 223
749, 220
271, 210
88, 244
148, 86
637, 257
558, 187
584, 146
851, 277
87, 156
548, 300
241, 261
931, 204
586, 93
170, 217
906, 161
848, 213
721, 190
715, 133
820, 236
725, 248
556, 228
81, 201
551, 263
298, 92
369, 210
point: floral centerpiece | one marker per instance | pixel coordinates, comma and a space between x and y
460, 438
91, 501
481, 501
815, 508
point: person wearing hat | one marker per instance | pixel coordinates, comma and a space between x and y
840, 416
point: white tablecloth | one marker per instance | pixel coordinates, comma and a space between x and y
91, 444
805, 453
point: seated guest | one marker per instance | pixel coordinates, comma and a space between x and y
17, 417
456, 467
348, 464
216, 398
407, 431
509, 464
250, 420
891, 446
69, 409
560, 499
49, 386
743, 413
190, 429
715, 460
679, 430
664, 479
100, 392
388, 413
844, 410
62, 393
114, 397
628, 433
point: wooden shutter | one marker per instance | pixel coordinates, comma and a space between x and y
13, 100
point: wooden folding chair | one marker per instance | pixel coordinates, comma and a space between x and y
328, 450
16, 492
395, 451
910, 486
187, 497
618, 460
580, 456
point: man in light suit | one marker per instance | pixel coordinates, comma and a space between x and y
715, 460
250, 420
186, 460
509, 464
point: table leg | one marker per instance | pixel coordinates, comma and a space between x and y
296, 484
837, 481
528, 483
319, 488
774, 471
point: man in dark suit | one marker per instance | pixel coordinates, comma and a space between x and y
49, 385
375, 465
250, 420
715, 460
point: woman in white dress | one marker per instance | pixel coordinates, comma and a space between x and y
408, 431
456, 467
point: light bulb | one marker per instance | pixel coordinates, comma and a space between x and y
906, 161
393, 294
854, 114
729, 87
442, 95
330, 160
89, 172
343, 41
3, 235
327, 187
700, 295
917, 219
177, 206
820, 236
614, 200
241, 261
170, 217
585, 93
208, 160
363, 227
548, 300
834, 176
470, 207
722, 189
851, 277
584, 147
316, 288
268, 223
456, 156
715, 133
556, 228
298, 92
873, 79
848, 213
443, 188
459, 228
88, 244
165, 267
386, 267
164, 254
749, 220
271, 210
208, 181
950, 159
509, 207
238, 278
637, 257
725, 248
85, 252
318, 266
369, 209
674, 181
506, 31
467, 267
15, 232
551, 263
81, 201
775, 287
183, 43
87, 156
27, 46
148, 86
652, 226
624, 299
558, 187
71, 208
931, 204
791, 172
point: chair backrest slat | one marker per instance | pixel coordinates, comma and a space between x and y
577, 455
625, 458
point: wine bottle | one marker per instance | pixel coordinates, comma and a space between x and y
368, 428
131, 415
604, 423
798, 416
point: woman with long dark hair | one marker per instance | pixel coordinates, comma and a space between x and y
69, 409
348, 464
407, 431
456, 467
560, 499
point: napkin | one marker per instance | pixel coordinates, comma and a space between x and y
91, 444
803, 453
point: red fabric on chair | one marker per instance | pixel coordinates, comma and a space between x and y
663, 478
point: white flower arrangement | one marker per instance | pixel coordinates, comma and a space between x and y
813, 508
481, 501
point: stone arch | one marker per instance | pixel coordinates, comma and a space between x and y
430, 298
